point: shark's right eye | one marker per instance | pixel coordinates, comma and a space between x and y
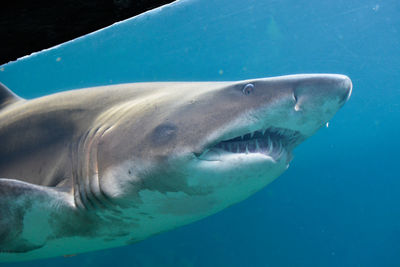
248, 89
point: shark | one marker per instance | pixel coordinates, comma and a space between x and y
107, 166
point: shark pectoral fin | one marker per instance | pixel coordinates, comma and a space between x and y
26, 212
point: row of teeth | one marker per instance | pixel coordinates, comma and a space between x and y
253, 133
270, 148
255, 145
271, 141
266, 133
264, 146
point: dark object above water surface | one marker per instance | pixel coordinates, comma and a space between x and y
31, 26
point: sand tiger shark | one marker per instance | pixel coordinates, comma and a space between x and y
101, 167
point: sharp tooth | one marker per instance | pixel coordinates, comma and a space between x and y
280, 153
204, 152
247, 148
251, 134
230, 147
257, 146
263, 131
237, 148
270, 146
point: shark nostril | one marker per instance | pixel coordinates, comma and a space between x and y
296, 104
294, 97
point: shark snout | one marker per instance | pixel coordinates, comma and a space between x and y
315, 100
318, 89
340, 86
347, 85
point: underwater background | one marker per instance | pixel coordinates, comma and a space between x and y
339, 202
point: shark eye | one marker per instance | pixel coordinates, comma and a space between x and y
248, 89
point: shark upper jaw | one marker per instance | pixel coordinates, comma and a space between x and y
266, 143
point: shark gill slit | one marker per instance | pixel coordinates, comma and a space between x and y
94, 182
75, 162
87, 170
90, 192
80, 173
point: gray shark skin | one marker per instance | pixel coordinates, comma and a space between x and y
102, 167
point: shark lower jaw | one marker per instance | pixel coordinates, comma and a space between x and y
270, 144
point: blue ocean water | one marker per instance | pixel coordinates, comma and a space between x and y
338, 204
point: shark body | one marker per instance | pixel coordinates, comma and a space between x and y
102, 167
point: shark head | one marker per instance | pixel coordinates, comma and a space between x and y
188, 150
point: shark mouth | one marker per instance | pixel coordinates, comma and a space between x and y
272, 142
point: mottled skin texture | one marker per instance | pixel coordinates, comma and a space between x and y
107, 166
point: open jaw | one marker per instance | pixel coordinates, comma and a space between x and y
271, 143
